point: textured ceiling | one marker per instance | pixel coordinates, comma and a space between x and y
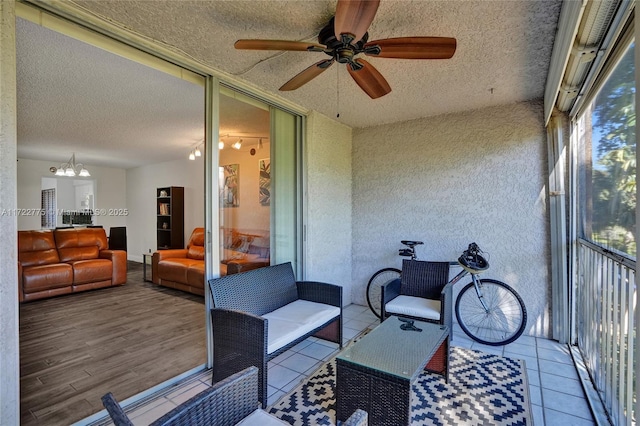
502, 56
74, 97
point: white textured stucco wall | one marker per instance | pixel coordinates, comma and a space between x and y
141, 185
450, 180
328, 202
9, 344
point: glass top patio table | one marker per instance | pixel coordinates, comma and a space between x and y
391, 350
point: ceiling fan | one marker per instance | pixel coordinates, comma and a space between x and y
345, 37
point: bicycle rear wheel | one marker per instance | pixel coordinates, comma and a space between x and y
379, 279
501, 323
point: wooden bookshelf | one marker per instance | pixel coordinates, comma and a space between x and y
170, 214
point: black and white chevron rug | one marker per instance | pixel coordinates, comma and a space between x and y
483, 389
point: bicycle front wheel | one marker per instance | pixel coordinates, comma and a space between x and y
502, 321
379, 279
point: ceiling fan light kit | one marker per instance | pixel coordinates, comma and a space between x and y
345, 37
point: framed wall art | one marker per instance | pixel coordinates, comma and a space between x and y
265, 181
229, 180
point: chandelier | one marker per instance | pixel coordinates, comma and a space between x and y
71, 168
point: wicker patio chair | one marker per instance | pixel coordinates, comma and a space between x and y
226, 403
421, 293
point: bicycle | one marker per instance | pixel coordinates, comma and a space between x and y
385, 275
493, 313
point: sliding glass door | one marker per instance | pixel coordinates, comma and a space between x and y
258, 184
285, 184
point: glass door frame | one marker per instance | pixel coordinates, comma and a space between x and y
103, 34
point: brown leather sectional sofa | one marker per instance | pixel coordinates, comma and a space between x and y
183, 269
52, 263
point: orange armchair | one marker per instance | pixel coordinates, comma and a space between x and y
182, 269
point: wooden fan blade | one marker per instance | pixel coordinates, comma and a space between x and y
369, 79
276, 45
414, 47
354, 17
307, 75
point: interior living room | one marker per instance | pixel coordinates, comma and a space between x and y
514, 130
163, 118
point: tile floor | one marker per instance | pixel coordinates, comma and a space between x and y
556, 394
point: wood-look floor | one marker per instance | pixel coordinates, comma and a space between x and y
125, 339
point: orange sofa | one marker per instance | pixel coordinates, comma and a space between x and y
183, 269
52, 263
243, 250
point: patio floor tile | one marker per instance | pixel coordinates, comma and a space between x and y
565, 403
558, 368
299, 362
555, 391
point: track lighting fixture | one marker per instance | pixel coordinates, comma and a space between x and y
239, 140
196, 151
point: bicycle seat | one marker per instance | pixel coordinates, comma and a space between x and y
472, 260
410, 243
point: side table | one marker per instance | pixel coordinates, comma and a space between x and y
376, 373
146, 260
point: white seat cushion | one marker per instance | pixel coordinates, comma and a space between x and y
296, 319
415, 307
281, 332
262, 418
304, 312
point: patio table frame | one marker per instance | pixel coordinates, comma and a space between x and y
377, 372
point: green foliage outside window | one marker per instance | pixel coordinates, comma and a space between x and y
614, 160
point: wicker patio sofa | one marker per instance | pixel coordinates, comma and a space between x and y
261, 313
232, 401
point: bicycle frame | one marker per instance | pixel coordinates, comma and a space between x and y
411, 252
474, 279
486, 322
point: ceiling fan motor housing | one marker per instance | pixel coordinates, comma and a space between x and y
343, 51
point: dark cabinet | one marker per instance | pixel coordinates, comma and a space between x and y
170, 222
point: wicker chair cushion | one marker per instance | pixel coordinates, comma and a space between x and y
296, 319
262, 418
414, 307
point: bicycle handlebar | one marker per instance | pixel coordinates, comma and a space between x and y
472, 260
